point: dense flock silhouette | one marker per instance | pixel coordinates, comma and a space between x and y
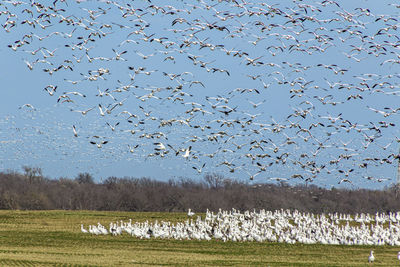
301, 90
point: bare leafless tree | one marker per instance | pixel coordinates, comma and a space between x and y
31, 190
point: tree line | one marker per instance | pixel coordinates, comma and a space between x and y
30, 190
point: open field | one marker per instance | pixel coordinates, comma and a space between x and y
48, 238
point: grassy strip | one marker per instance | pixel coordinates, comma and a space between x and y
48, 238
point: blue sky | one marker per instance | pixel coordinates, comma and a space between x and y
43, 137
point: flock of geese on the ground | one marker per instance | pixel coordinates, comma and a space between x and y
246, 87
283, 226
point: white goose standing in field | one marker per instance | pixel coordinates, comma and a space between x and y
371, 257
93, 230
83, 230
190, 213
102, 229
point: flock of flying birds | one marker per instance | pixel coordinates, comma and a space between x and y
294, 91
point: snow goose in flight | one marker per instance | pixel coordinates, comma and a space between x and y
199, 170
28, 106
83, 112
99, 145
187, 152
74, 130
101, 110
132, 148
160, 146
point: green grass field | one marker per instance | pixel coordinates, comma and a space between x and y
53, 238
